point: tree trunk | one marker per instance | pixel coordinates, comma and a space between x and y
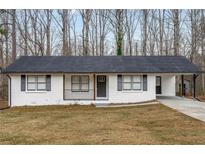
13, 35
161, 31
65, 32
102, 29
96, 33
87, 19
48, 50
193, 34
6, 38
145, 36
1, 66
176, 31
26, 34
119, 35
202, 26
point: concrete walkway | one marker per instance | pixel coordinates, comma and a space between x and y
101, 105
192, 108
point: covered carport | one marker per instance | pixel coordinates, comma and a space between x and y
193, 92
167, 84
191, 107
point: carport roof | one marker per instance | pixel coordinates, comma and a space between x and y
102, 64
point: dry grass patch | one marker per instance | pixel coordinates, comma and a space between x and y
151, 124
3, 104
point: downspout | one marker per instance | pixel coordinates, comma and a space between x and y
94, 85
182, 86
9, 100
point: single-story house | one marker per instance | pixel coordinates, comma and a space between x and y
51, 80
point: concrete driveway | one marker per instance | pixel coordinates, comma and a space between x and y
189, 107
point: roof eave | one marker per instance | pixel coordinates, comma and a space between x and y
61, 72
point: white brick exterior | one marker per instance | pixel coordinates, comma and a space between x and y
55, 96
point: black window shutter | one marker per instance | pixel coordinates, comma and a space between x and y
23, 82
144, 82
119, 82
48, 82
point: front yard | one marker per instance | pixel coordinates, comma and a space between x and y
151, 124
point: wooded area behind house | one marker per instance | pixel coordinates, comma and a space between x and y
100, 33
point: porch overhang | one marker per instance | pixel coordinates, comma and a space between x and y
93, 87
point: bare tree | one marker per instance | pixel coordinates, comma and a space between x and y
119, 31
103, 29
48, 32
145, 14
25, 33
34, 19
6, 34
161, 30
176, 22
65, 31
131, 20
1, 53
194, 14
86, 16
152, 33
13, 35
73, 28
94, 32
202, 31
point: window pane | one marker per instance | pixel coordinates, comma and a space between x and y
84, 79
75, 79
41, 86
75, 87
41, 79
136, 86
84, 87
31, 86
136, 79
158, 81
101, 78
126, 86
126, 78
31, 78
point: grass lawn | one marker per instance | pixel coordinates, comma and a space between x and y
151, 124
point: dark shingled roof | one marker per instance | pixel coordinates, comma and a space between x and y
100, 64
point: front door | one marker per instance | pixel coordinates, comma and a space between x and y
101, 86
158, 85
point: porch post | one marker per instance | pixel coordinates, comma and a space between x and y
182, 85
94, 82
194, 86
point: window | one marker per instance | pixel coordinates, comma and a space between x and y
131, 82
127, 83
136, 82
80, 83
158, 81
41, 83
101, 78
36, 82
